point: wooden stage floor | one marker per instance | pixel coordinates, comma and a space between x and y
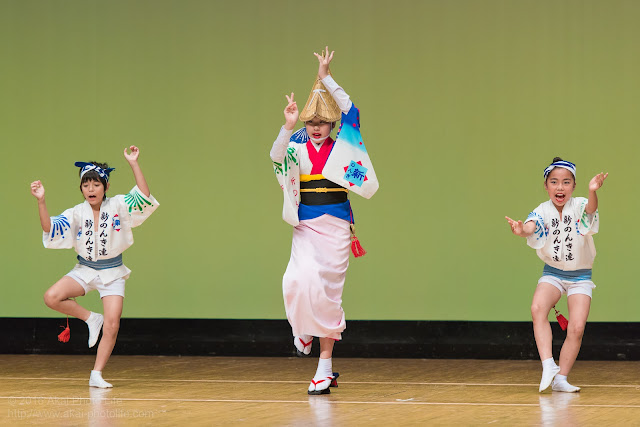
180, 391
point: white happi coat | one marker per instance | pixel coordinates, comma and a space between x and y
75, 228
564, 242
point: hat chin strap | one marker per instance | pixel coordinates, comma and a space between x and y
318, 140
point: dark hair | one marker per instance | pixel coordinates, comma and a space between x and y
556, 159
93, 176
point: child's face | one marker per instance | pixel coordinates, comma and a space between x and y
318, 129
560, 185
93, 192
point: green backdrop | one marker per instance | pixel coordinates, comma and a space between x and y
463, 105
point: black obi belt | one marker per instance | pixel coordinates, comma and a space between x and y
322, 192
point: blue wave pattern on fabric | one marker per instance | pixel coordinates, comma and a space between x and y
59, 224
300, 136
569, 275
540, 230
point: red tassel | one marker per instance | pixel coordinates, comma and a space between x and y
66, 334
561, 320
356, 247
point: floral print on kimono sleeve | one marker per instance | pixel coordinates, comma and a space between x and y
586, 224
138, 206
539, 236
62, 234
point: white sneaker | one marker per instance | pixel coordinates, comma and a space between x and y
96, 380
564, 386
94, 322
547, 377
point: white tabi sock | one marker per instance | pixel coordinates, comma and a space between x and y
303, 343
323, 377
94, 322
549, 371
325, 369
96, 380
560, 384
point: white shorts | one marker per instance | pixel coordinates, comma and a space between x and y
112, 288
568, 287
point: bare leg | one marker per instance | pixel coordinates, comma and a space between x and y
544, 298
112, 305
57, 298
326, 347
579, 306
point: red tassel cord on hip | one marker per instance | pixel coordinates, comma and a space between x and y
356, 247
66, 334
561, 319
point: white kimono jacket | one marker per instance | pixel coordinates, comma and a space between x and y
566, 242
75, 228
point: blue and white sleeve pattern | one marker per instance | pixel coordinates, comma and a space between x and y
539, 236
61, 235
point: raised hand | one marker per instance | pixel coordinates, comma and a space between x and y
291, 113
517, 227
324, 61
37, 190
133, 156
597, 181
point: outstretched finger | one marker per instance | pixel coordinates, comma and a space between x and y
510, 220
289, 98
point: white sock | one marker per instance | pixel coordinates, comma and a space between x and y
324, 374
299, 343
560, 384
549, 371
548, 363
324, 369
94, 322
96, 380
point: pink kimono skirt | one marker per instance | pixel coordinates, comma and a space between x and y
314, 280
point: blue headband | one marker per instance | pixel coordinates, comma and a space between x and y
86, 167
561, 164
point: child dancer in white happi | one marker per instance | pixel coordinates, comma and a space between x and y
321, 215
561, 231
100, 231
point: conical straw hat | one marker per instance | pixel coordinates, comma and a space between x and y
321, 105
